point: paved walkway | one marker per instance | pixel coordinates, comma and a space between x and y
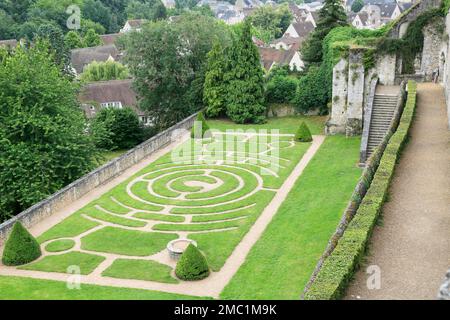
412, 245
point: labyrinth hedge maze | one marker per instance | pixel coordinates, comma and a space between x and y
214, 203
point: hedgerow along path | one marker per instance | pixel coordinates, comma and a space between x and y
120, 238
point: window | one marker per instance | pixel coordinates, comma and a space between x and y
114, 104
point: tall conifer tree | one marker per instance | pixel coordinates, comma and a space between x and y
245, 94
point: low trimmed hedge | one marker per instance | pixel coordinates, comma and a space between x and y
339, 267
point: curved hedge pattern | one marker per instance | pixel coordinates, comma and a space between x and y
339, 267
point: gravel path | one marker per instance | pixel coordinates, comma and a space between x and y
412, 245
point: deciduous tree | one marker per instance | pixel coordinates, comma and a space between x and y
43, 144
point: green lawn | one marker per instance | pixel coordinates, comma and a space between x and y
140, 270
277, 267
283, 259
18, 288
284, 124
59, 263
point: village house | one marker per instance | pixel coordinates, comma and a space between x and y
299, 29
271, 56
110, 94
108, 39
360, 20
133, 25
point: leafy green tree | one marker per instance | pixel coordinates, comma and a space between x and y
114, 128
17, 9
150, 10
104, 71
271, 22
21, 247
312, 91
96, 11
87, 24
172, 68
43, 145
192, 265
92, 39
73, 40
8, 27
215, 88
55, 38
357, 5
281, 89
204, 10
53, 11
245, 90
331, 15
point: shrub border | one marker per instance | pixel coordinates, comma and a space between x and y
338, 268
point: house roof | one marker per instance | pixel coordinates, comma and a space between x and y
287, 40
108, 39
304, 28
269, 56
387, 9
8, 43
82, 57
363, 16
136, 23
109, 91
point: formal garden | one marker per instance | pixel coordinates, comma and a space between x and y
209, 202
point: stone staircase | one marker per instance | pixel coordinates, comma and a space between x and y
382, 113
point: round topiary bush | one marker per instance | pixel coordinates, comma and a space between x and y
200, 126
192, 265
303, 134
21, 247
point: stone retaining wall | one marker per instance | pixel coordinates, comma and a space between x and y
90, 181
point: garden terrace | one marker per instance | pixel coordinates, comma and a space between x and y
120, 238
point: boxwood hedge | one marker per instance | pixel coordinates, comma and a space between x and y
339, 267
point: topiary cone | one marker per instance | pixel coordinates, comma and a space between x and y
21, 247
303, 134
192, 265
196, 130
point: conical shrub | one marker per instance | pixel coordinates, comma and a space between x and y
199, 121
21, 247
303, 134
192, 265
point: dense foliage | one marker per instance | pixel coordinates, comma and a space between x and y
116, 129
281, 89
270, 22
192, 265
21, 247
245, 82
215, 88
43, 145
22, 18
168, 61
104, 71
331, 15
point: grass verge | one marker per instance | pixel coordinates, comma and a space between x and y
281, 262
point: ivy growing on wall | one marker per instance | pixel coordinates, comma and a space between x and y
412, 43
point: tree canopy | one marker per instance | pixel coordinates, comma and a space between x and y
43, 144
168, 61
331, 15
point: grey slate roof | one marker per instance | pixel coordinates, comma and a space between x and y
82, 57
